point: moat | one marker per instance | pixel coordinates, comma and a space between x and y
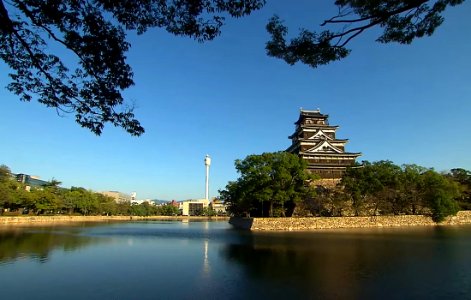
211, 260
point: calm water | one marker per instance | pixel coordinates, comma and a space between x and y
210, 260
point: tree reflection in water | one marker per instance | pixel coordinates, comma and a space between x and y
355, 264
38, 243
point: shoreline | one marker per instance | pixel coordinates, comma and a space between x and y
17, 221
322, 223
253, 224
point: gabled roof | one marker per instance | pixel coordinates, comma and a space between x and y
324, 146
320, 134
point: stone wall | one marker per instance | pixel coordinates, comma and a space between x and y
48, 220
316, 223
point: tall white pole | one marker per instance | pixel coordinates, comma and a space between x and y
207, 163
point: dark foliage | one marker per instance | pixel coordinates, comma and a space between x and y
93, 32
383, 188
401, 21
270, 184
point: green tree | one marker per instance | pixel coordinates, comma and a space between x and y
401, 22
12, 193
440, 194
412, 189
328, 201
363, 184
46, 201
384, 188
463, 178
209, 212
238, 198
106, 205
25, 199
269, 184
5, 188
168, 210
5, 174
375, 188
144, 209
94, 33
71, 199
82, 201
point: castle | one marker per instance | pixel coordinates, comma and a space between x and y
314, 140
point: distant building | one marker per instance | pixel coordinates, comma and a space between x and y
174, 204
31, 181
218, 206
193, 207
314, 140
148, 201
118, 196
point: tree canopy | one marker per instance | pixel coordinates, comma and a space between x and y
16, 198
371, 189
401, 22
270, 184
383, 188
94, 33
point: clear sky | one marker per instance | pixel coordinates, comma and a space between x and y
226, 98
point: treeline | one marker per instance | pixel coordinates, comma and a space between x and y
278, 184
270, 185
52, 199
383, 188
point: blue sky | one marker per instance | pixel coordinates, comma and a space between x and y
226, 98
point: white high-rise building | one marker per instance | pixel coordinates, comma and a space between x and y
207, 163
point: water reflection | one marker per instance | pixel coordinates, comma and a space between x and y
206, 266
37, 244
209, 260
357, 264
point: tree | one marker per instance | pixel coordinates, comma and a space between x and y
463, 178
5, 173
5, 190
269, 184
94, 33
46, 201
412, 189
169, 210
83, 201
209, 212
384, 188
11, 192
328, 201
401, 21
361, 183
237, 197
54, 183
440, 195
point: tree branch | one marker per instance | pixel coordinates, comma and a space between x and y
6, 24
375, 20
53, 36
332, 20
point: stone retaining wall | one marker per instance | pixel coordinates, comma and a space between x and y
45, 220
57, 219
316, 223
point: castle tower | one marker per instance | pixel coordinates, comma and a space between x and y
314, 140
